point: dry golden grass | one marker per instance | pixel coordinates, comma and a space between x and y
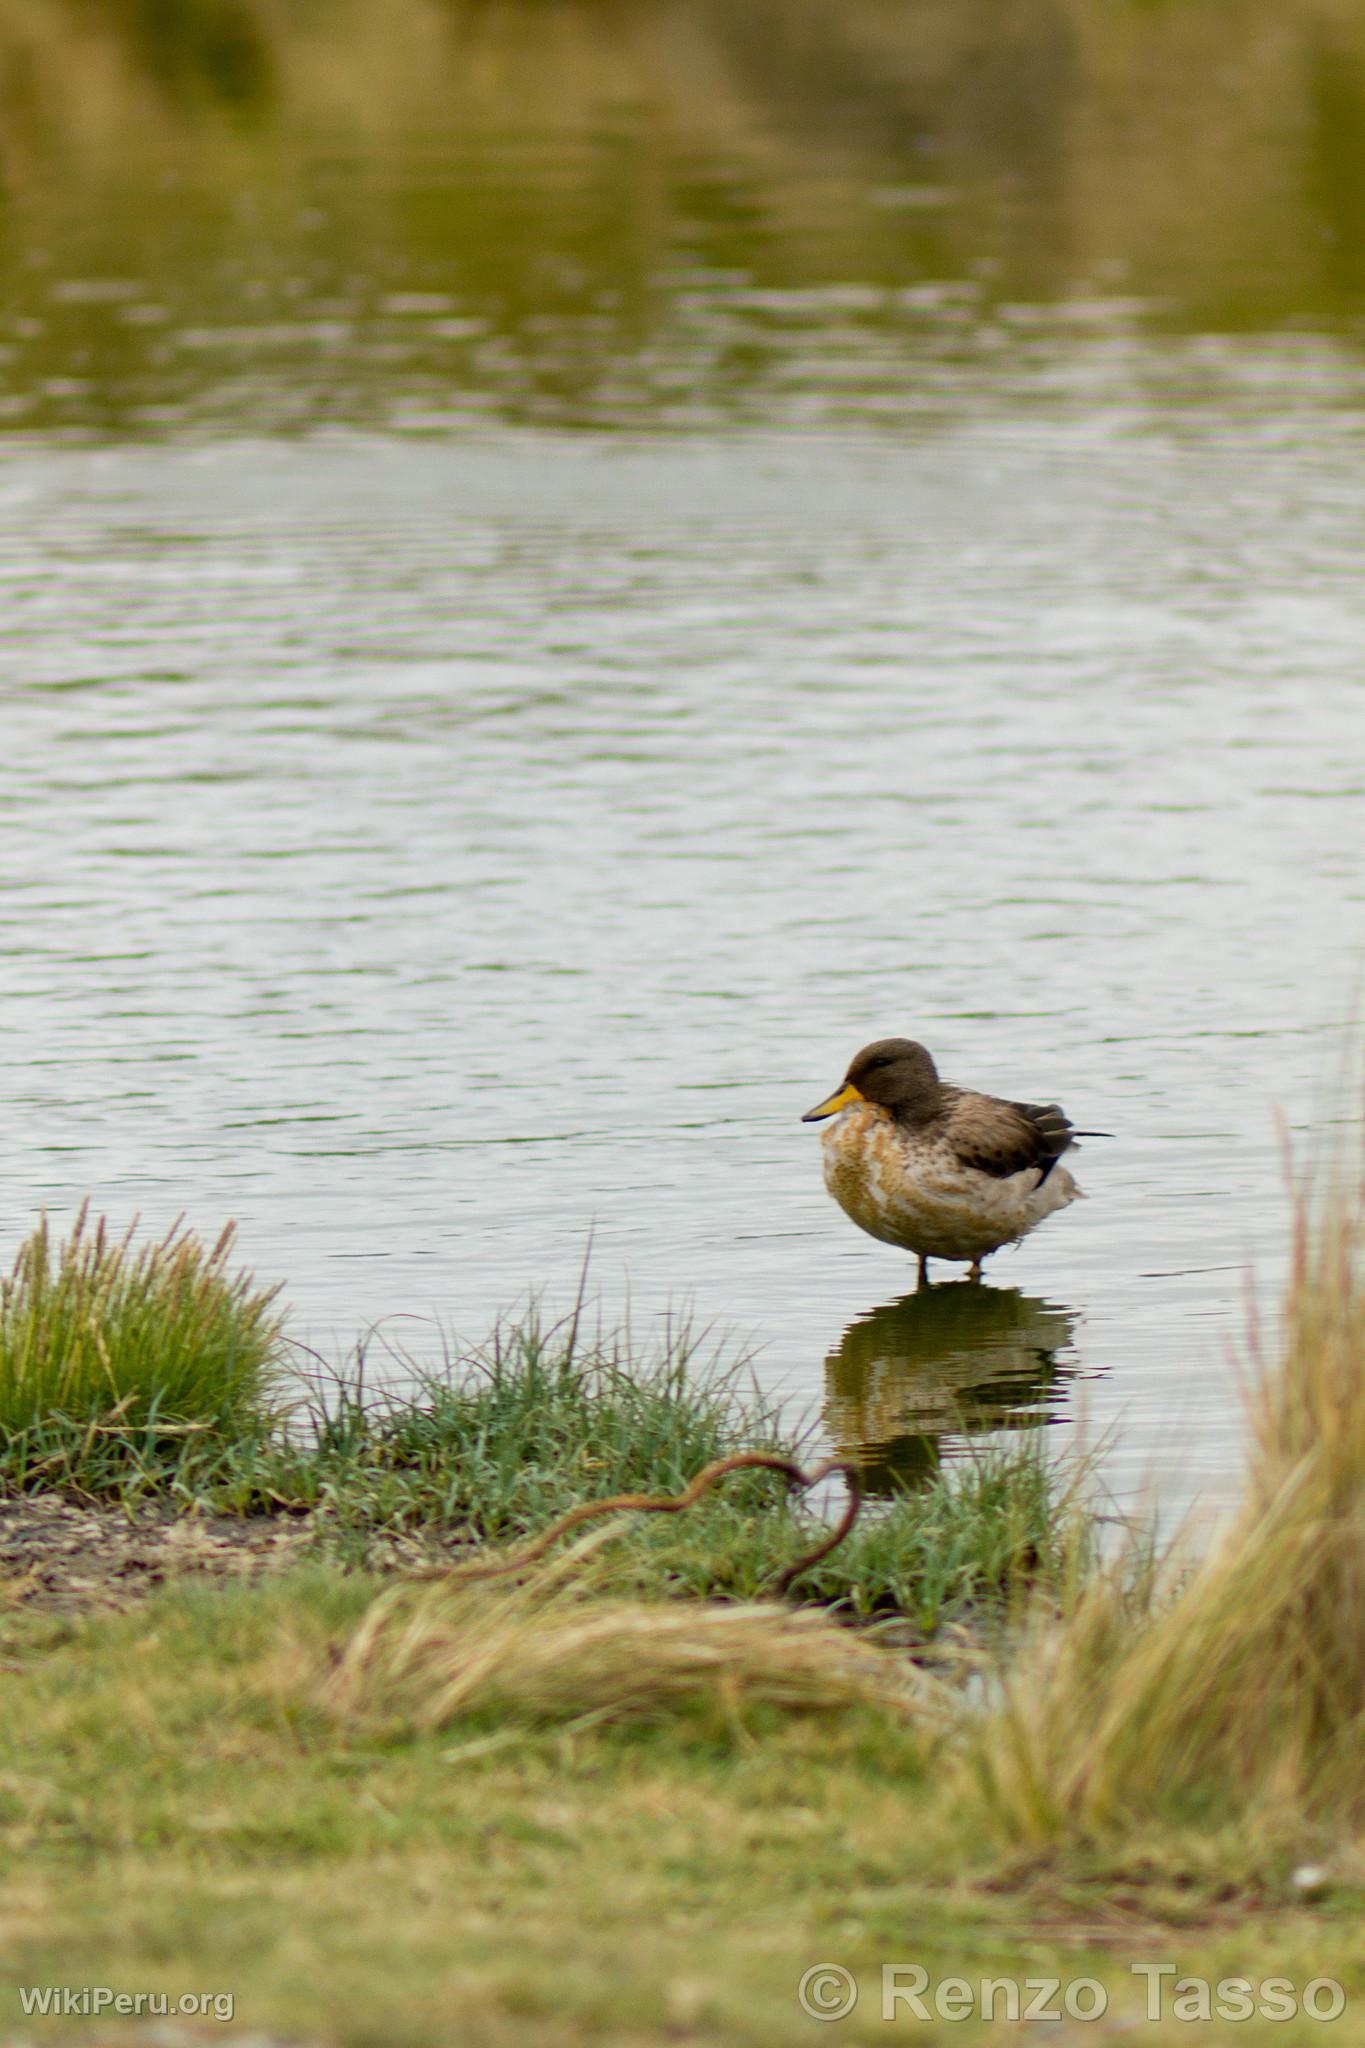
557, 1648
1235, 1685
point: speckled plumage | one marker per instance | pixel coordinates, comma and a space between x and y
916, 1190
943, 1172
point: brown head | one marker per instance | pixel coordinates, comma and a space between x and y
896, 1074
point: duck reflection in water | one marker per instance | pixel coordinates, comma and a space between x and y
952, 1360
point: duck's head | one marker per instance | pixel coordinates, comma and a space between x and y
895, 1073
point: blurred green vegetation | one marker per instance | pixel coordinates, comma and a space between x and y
594, 209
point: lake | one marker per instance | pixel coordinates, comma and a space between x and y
564, 567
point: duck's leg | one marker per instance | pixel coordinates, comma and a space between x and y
974, 1270
923, 1279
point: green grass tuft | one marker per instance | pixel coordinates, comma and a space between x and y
976, 1542
499, 1440
121, 1364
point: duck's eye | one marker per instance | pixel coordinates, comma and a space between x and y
882, 1060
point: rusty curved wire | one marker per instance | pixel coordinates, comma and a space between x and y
675, 1503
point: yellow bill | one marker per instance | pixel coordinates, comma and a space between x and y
833, 1104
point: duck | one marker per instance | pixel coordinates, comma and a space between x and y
943, 1172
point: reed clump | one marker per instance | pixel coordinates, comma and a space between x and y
1232, 1688
119, 1357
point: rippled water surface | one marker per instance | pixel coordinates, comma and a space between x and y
523, 646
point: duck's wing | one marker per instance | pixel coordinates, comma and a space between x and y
1001, 1138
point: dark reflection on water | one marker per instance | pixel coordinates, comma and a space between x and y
949, 1361
683, 209
200, 57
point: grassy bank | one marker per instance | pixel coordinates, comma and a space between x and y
580, 1802
157, 1380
